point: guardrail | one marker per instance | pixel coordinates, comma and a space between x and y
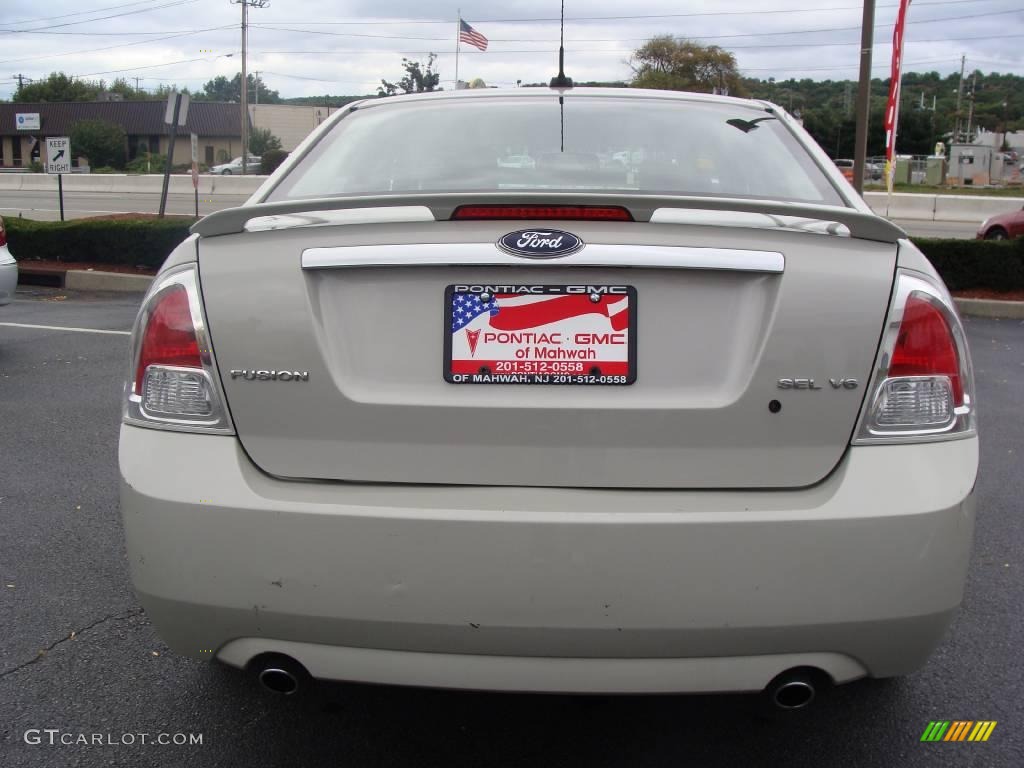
121, 183
901, 205
955, 208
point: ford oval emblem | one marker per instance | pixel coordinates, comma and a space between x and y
540, 243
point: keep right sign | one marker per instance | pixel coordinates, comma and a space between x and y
58, 154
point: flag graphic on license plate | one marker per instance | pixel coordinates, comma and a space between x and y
540, 334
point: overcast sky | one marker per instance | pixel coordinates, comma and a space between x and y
307, 47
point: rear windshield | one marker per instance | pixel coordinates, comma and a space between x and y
604, 144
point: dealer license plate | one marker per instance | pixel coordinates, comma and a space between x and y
540, 334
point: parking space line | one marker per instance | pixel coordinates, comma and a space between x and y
66, 328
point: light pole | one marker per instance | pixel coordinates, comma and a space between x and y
244, 106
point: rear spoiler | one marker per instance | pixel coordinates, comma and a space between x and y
863, 226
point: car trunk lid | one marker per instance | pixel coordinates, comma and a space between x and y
353, 348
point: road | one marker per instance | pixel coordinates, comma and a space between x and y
77, 654
44, 206
958, 229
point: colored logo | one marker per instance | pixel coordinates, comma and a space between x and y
472, 337
540, 243
958, 730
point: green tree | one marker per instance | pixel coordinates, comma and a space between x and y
271, 159
101, 141
261, 141
58, 87
417, 78
126, 91
222, 89
673, 64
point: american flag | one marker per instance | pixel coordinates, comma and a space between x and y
517, 313
469, 35
466, 307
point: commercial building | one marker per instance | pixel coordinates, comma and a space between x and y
23, 128
290, 123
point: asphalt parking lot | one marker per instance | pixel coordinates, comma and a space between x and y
78, 655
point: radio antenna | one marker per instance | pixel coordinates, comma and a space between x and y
561, 81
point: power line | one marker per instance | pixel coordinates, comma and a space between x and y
640, 16
40, 30
77, 13
107, 34
694, 36
620, 51
119, 45
49, 30
153, 66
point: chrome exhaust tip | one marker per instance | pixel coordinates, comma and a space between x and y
795, 694
278, 680
793, 689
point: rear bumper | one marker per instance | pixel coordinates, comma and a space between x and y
550, 589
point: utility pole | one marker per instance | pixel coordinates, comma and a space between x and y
970, 113
256, 80
244, 105
860, 145
21, 81
137, 79
959, 99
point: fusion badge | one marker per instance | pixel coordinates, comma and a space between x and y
254, 375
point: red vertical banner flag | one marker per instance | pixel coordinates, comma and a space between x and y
892, 107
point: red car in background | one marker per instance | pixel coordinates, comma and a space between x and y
1004, 226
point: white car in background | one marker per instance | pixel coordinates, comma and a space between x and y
8, 269
517, 161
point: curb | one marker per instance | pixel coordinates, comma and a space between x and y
1012, 310
91, 280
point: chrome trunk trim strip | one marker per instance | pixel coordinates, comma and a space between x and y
593, 255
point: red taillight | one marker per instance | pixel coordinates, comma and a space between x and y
566, 212
3, 234
170, 336
925, 346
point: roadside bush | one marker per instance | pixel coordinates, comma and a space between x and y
271, 159
103, 142
261, 141
963, 264
134, 242
139, 164
996, 265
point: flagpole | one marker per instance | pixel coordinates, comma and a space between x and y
458, 34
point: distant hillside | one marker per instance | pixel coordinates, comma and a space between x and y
827, 108
326, 101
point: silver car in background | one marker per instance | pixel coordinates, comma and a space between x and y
693, 421
235, 166
8, 269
